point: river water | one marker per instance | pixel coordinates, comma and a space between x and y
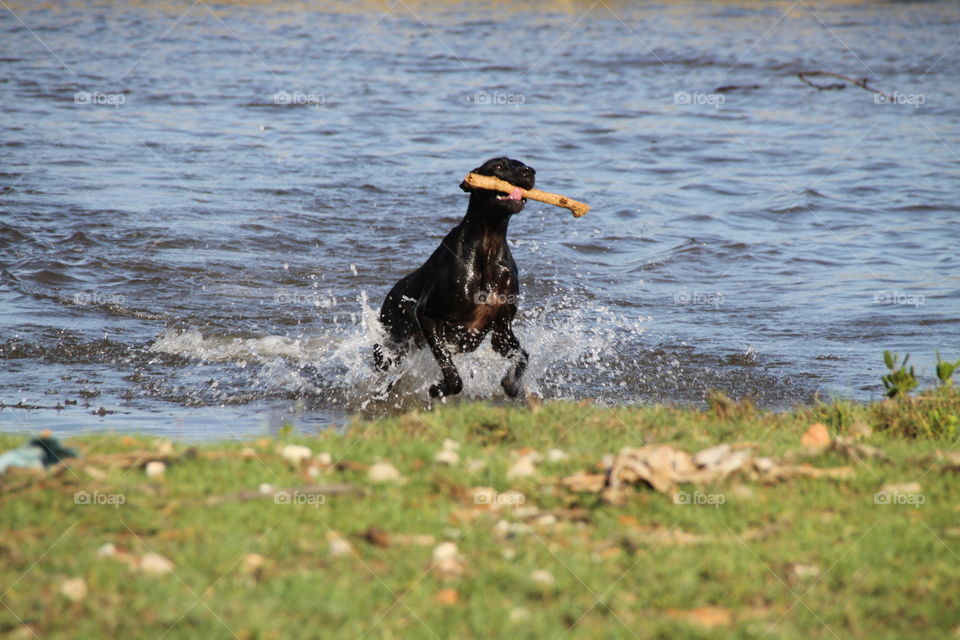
202, 204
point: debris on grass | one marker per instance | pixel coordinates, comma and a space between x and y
663, 467
707, 617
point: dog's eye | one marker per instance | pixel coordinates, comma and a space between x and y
497, 167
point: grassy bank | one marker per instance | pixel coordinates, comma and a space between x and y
350, 557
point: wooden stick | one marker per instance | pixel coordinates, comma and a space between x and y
496, 184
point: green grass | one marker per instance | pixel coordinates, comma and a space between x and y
866, 570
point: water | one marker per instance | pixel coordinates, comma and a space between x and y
203, 205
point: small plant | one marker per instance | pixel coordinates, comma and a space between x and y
900, 381
945, 370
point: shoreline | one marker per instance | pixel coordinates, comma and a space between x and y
482, 521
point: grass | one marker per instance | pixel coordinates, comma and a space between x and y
806, 558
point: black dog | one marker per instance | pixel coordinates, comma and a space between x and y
467, 288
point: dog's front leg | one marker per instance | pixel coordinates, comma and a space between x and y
431, 329
506, 344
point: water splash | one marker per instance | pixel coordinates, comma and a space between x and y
568, 341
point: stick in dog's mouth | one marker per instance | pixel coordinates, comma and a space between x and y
513, 192
516, 194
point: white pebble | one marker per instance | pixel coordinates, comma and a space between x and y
153, 564
447, 457
295, 453
74, 589
445, 551
383, 472
556, 455
542, 577
156, 469
522, 468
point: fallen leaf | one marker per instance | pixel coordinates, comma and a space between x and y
816, 436
447, 597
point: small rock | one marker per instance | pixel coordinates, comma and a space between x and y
542, 578
164, 447
444, 551
522, 468
252, 564
248, 453
325, 458
816, 436
266, 488
383, 472
447, 457
74, 589
546, 520
556, 455
806, 570
153, 564
156, 469
518, 615
107, 550
447, 560
451, 445
295, 453
338, 546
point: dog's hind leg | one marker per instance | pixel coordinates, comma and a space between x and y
432, 332
506, 344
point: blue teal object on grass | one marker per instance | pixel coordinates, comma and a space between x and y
39, 453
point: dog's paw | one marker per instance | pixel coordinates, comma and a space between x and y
443, 389
512, 387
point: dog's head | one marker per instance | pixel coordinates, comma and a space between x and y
512, 171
